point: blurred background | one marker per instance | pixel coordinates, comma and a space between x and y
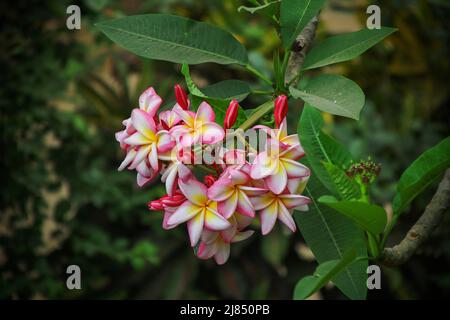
64, 93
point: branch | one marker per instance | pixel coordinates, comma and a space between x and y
420, 231
299, 49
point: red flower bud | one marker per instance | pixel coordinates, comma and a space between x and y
181, 97
155, 205
281, 109
231, 114
175, 201
209, 180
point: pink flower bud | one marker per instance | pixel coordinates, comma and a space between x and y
175, 201
209, 180
181, 97
281, 109
155, 205
231, 114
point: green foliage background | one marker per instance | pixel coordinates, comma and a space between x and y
64, 94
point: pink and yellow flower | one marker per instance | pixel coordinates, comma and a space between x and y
198, 210
230, 192
197, 127
148, 140
278, 164
277, 206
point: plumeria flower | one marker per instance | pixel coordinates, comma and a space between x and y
276, 167
217, 243
174, 171
149, 101
198, 210
197, 127
148, 139
278, 164
230, 193
216, 247
277, 206
168, 119
284, 141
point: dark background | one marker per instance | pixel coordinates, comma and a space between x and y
64, 93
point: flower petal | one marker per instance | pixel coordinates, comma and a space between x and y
223, 253
143, 123
149, 101
194, 191
195, 228
206, 251
165, 142
137, 139
244, 206
140, 156
209, 236
277, 182
170, 180
128, 159
238, 177
228, 234
253, 191
221, 190
262, 201
263, 166
241, 236
285, 216
228, 206
184, 213
187, 116
167, 214
294, 169
214, 221
211, 133
293, 200
205, 113
153, 157
268, 217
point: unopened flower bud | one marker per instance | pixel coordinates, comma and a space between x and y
209, 180
280, 110
231, 114
155, 205
181, 97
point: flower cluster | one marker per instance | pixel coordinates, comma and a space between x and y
246, 183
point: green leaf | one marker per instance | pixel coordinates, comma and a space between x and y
333, 94
320, 147
371, 218
347, 189
421, 173
219, 105
344, 47
175, 39
324, 273
294, 16
228, 90
269, 9
329, 235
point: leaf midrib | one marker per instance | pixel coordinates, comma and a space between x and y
172, 43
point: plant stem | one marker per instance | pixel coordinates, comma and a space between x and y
269, 92
260, 112
374, 249
258, 74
